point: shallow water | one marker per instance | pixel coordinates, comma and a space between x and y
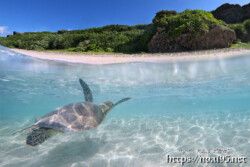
189, 107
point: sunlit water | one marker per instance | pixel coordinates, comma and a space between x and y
174, 107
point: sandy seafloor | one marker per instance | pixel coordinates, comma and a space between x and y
177, 108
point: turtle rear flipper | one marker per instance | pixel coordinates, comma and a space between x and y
38, 136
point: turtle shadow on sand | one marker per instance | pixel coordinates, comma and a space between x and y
70, 152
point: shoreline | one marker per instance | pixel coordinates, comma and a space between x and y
125, 58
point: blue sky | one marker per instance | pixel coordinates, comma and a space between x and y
53, 15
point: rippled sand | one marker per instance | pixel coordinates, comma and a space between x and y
137, 141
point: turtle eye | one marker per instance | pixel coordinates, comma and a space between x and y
109, 103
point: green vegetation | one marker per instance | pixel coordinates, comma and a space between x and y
163, 13
241, 29
189, 21
247, 25
111, 38
241, 45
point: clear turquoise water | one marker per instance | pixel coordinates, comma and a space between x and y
174, 106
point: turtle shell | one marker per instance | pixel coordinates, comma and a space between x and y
73, 117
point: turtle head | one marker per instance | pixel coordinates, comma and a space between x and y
107, 106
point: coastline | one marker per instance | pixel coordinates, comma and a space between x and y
125, 58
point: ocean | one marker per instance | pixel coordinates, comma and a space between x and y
198, 109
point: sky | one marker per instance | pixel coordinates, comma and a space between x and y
54, 15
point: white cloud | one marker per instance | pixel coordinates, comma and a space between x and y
3, 30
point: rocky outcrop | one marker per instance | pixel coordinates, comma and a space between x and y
232, 13
218, 37
15, 32
9, 35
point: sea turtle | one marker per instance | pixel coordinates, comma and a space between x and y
73, 117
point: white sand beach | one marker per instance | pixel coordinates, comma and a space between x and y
123, 58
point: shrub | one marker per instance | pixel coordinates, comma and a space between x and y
239, 29
247, 25
109, 50
83, 46
18, 43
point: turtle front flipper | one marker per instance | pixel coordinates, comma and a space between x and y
86, 91
38, 136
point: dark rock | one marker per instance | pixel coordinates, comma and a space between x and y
9, 35
232, 13
159, 43
15, 32
218, 37
63, 32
